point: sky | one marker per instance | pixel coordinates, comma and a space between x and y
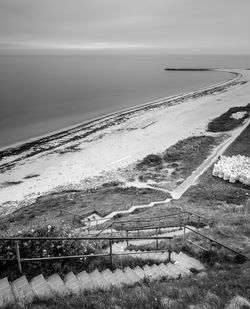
174, 26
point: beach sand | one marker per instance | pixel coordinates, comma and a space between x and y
71, 159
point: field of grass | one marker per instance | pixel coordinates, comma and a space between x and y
226, 123
171, 167
105, 199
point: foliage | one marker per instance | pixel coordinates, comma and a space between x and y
151, 160
46, 248
225, 122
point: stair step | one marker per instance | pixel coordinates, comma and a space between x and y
98, 280
192, 262
131, 275
156, 272
169, 271
85, 281
139, 272
121, 277
173, 256
72, 283
148, 272
6, 296
109, 277
41, 287
181, 268
22, 290
57, 285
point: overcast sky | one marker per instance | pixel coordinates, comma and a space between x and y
185, 26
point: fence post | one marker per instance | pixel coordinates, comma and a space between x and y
169, 250
110, 252
18, 257
184, 232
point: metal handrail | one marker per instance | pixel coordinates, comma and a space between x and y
110, 254
215, 241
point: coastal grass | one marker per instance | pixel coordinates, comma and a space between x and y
226, 122
175, 164
48, 208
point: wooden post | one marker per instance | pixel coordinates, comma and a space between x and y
110, 252
184, 232
18, 257
127, 238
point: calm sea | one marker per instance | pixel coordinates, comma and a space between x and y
40, 94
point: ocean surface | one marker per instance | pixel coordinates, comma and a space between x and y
43, 93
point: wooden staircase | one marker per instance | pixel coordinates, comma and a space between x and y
23, 292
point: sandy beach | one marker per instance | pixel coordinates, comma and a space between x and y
90, 154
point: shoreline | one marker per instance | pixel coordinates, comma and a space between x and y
125, 111
90, 154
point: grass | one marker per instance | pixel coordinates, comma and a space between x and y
225, 122
175, 164
106, 199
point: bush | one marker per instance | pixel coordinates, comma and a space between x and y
151, 160
225, 122
45, 248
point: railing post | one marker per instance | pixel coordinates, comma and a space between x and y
210, 246
110, 252
184, 232
18, 257
157, 242
169, 250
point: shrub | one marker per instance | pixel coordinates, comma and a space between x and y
151, 160
45, 248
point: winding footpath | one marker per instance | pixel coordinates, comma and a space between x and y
179, 191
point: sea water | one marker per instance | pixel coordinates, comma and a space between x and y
43, 93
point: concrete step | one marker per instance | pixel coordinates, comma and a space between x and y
139, 272
22, 290
157, 272
173, 256
41, 287
85, 281
109, 277
131, 275
98, 280
72, 283
6, 295
148, 271
182, 269
166, 272
188, 260
57, 285
169, 269
121, 277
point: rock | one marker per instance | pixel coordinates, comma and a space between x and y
238, 302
